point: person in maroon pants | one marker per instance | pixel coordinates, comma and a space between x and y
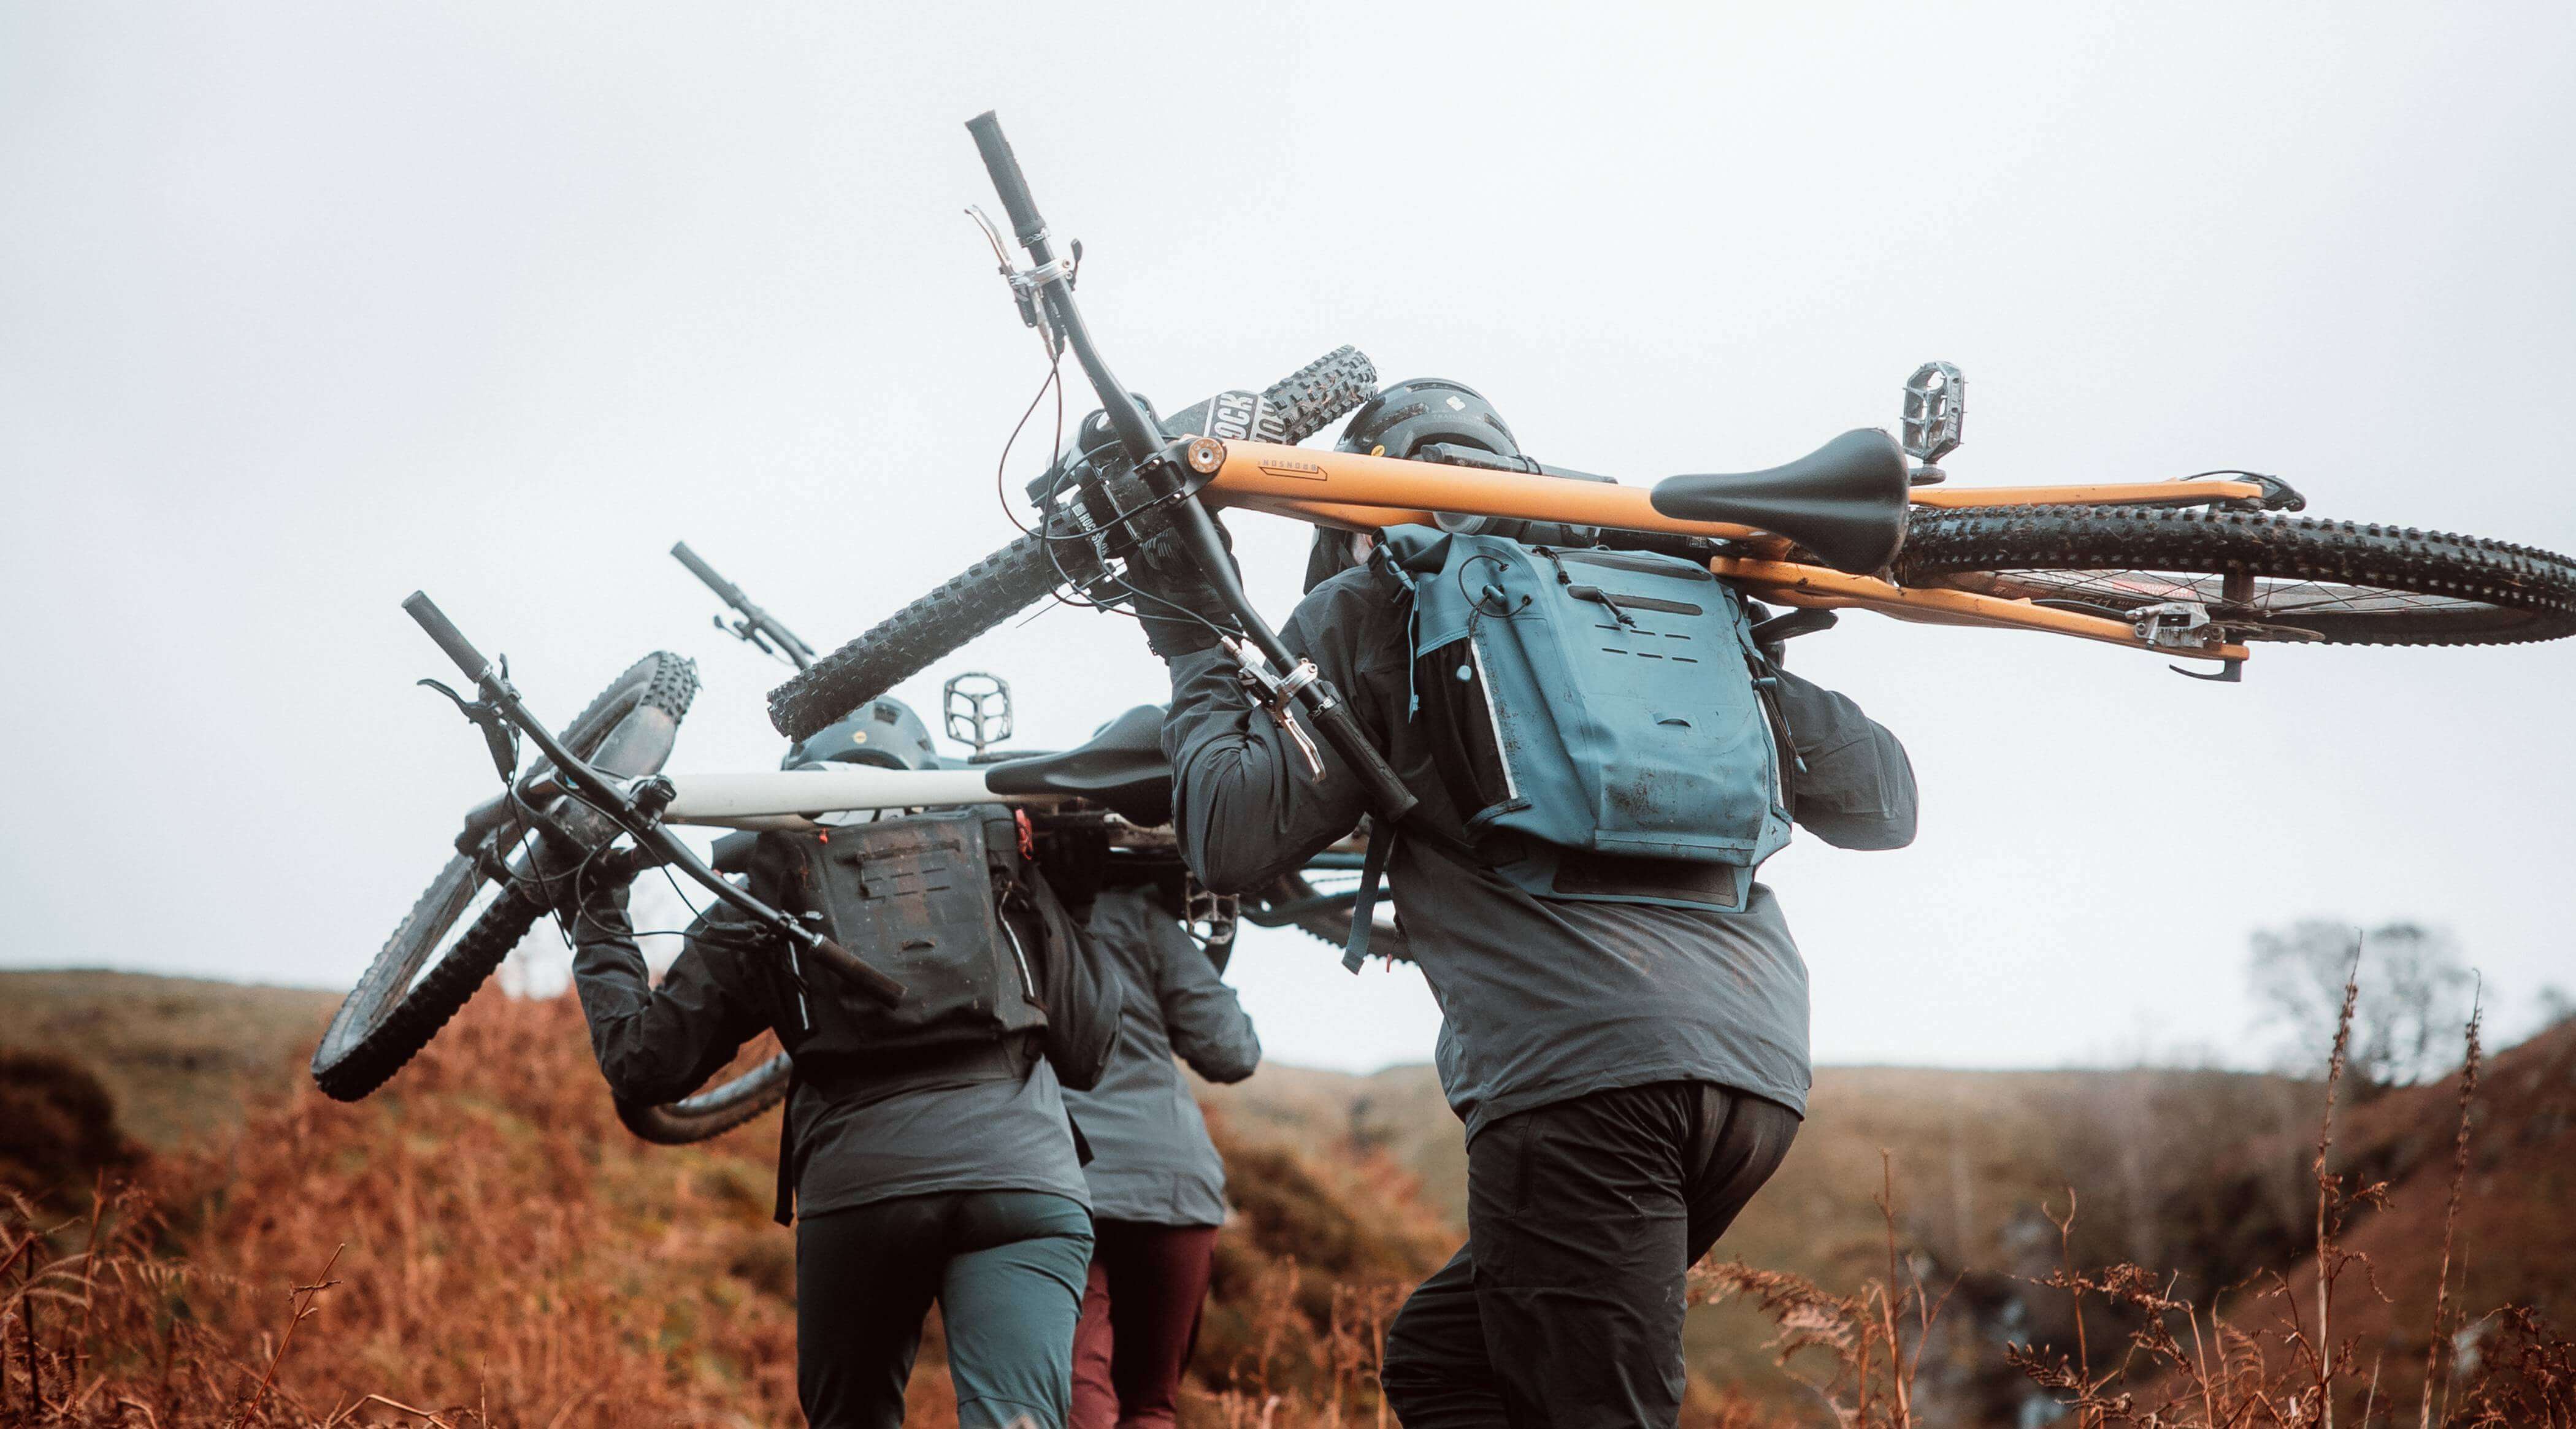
1157, 1185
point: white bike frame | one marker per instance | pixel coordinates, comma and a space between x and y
799, 798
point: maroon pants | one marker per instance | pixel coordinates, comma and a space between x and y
1140, 1318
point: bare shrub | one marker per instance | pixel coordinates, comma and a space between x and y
2398, 1035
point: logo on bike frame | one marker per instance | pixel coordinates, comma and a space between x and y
1234, 416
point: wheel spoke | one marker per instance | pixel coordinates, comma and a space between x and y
2274, 596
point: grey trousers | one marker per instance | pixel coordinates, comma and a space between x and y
1007, 1268
1565, 1306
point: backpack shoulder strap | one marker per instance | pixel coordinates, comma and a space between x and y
1381, 844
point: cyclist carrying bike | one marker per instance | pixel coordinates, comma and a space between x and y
927, 1158
1157, 1184
1630, 1066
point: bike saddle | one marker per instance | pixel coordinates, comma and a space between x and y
1845, 500
1122, 767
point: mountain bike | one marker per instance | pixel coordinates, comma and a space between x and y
582, 792
2199, 568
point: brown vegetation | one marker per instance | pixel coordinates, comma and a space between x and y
481, 1243
2280, 1350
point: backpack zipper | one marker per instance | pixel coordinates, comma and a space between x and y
1019, 955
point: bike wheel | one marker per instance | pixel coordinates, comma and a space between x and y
2260, 576
712, 1112
1021, 574
397, 1006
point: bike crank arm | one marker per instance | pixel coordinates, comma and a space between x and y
638, 810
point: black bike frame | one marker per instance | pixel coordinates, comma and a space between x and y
635, 808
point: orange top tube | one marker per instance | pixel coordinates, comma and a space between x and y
1363, 492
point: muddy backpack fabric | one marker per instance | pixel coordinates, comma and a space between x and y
996, 972
947, 903
1607, 721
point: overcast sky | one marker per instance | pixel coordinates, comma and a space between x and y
303, 307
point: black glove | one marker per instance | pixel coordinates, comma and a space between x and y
586, 894
1181, 612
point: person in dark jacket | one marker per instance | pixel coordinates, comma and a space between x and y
955, 1180
1157, 1185
1629, 1074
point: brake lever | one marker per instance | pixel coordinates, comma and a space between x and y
486, 716
1144, 443
634, 807
1277, 694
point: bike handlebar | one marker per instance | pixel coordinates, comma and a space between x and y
621, 804
1008, 181
449, 638
755, 622
730, 593
1144, 442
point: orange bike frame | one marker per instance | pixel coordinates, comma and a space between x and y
1363, 493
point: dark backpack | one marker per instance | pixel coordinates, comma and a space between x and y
996, 972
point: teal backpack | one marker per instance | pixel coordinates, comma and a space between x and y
1605, 718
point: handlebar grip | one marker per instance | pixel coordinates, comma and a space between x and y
701, 569
444, 631
862, 979
1387, 795
1007, 180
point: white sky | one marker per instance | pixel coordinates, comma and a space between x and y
303, 307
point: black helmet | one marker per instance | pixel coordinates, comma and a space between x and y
884, 732
1412, 414
1399, 422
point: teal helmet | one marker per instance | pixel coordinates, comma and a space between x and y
883, 731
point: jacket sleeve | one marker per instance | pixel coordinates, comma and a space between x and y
1200, 1015
1245, 805
655, 1044
1857, 788
1083, 994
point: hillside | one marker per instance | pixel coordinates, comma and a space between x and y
501, 1251
1348, 1188
178, 1054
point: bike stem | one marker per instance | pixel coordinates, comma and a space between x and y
1144, 443
637, 809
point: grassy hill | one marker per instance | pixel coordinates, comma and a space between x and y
498, 1150
178, 1054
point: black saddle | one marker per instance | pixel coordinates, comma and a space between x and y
1845, 501
1122, 767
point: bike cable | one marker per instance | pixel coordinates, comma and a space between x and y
1045, 530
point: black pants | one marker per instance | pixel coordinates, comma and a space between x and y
1565, 1306
1007, 1268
